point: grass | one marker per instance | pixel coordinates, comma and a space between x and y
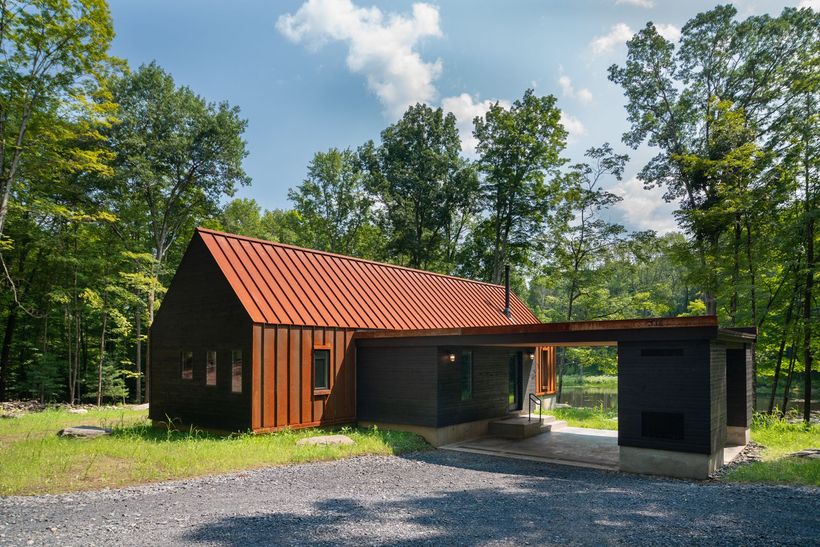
602, 381
34, 460
595, 418
780, 438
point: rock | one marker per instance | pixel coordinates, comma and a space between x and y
11, 416
143, 406
84, 431
77, 411
562, 405
810, 453
325, 440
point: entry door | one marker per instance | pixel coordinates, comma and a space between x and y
514, 385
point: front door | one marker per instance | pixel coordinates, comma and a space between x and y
514, 386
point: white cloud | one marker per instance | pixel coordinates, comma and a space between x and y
644, 209
568, 90
670, 32
639, 3
380, 46
466, 108
618, 35
813, 4
573, 125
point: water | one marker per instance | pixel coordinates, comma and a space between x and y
578, 396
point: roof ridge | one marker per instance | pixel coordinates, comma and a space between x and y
337, 255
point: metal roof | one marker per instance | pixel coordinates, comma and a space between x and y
287, 285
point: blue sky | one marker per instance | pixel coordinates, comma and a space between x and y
314, 74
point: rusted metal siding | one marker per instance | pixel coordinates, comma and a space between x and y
285, 285
285, 383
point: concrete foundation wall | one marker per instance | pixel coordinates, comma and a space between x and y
438, 436
685, 465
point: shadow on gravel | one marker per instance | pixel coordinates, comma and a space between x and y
541, 504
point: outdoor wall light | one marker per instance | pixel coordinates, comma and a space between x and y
452, 357
532, 357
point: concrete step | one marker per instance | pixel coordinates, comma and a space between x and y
519, 427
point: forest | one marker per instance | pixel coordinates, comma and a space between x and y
106, 169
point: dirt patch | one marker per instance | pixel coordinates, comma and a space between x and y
751, 454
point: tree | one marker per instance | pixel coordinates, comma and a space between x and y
332, 203
519, 155
177, 156
55, 57
420, 183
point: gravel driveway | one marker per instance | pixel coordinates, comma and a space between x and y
435, 497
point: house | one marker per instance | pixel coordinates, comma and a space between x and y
261, 336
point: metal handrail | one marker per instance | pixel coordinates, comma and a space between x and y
535, 400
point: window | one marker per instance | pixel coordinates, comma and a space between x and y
210, 368
187, 365
236, 371
466, 365
321, 369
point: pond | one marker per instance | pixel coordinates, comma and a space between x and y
591, 396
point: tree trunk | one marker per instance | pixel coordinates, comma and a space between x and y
139, 355
5, 353
735, 272
102, 358
776, 378
788, 385
807, 308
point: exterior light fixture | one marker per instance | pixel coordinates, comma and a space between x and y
532, 357
452, 357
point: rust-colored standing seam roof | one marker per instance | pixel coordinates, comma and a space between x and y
282, 284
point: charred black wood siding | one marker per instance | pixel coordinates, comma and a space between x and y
397, 385
717, 396
739, 387
200, 312
672, 377
490, 381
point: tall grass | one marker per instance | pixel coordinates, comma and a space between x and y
592, 417
35, 461
781, 437
598, 381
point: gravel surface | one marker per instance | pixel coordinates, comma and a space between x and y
435, 497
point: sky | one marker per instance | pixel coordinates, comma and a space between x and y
309, 75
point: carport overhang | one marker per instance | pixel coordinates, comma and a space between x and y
684, 389
576, 333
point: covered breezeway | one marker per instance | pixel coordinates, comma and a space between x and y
684, 389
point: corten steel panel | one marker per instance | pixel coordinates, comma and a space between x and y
281, 377
294, 378
307, 375
269, 383
257, 378
281, 284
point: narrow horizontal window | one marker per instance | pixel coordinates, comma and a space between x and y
236, 371
187, 365
210, 368
321, 369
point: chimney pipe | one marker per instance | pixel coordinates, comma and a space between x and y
507, 290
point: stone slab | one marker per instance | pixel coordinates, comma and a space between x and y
84, 431
326, 440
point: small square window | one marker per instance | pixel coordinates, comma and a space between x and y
187, 365
236, 371
210, 368
466, 364
321, 369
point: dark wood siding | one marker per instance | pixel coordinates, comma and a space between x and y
200, 312
397, 385
717, 396
669, 378
490, 385
287, 397
739, 387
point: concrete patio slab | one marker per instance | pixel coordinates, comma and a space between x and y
596, 448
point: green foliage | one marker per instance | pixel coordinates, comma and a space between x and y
594, 418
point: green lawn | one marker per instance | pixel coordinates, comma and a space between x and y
778, 437
600, 381
35, 461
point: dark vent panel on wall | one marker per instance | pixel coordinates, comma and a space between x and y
661, 352
662, 425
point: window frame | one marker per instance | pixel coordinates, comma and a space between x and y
233, 369
466, 391
325, 389
182, 362
208, 354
